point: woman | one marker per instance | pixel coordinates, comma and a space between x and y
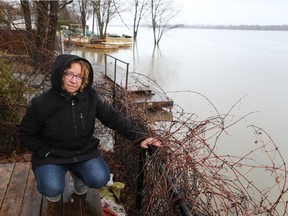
58, 128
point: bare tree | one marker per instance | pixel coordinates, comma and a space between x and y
46, 22
105, 11
42, 39
138, 12
162, 13
86, 10
65, 13
40, 42
102, 11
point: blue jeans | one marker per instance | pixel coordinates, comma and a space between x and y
50, 178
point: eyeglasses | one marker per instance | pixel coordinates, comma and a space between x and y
70, 75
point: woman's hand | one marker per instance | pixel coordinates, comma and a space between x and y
150, 141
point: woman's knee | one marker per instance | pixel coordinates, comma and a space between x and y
50, 188
98, 180
98, 173
50, 180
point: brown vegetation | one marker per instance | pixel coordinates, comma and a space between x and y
188, 175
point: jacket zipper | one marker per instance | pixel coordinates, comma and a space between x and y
82, 121
74, 122
73, 115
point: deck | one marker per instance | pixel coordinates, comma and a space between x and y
19, 196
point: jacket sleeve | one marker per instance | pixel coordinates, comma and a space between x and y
30, 132
118, 122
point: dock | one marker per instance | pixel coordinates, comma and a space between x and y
146, 93
19, 196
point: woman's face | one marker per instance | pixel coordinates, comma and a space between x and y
72, 78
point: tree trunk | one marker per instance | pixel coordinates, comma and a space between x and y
42, 23
52, 27
41, 44
27, 15
83, 16
28, 26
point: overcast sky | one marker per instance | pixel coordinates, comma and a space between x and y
235, 12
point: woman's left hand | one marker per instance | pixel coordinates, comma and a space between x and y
150, 141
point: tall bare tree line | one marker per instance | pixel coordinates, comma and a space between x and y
45, 14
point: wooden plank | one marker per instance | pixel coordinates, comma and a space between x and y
6, 173
15, 192
32, 198
157, 99
20, 196
159, 115
73, 208
50, 208
92, 205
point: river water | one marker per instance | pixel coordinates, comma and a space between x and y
224, 66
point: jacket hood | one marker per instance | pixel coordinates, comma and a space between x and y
61, 63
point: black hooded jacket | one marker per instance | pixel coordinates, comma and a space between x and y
58, 128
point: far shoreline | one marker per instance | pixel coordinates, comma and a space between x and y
224, 27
